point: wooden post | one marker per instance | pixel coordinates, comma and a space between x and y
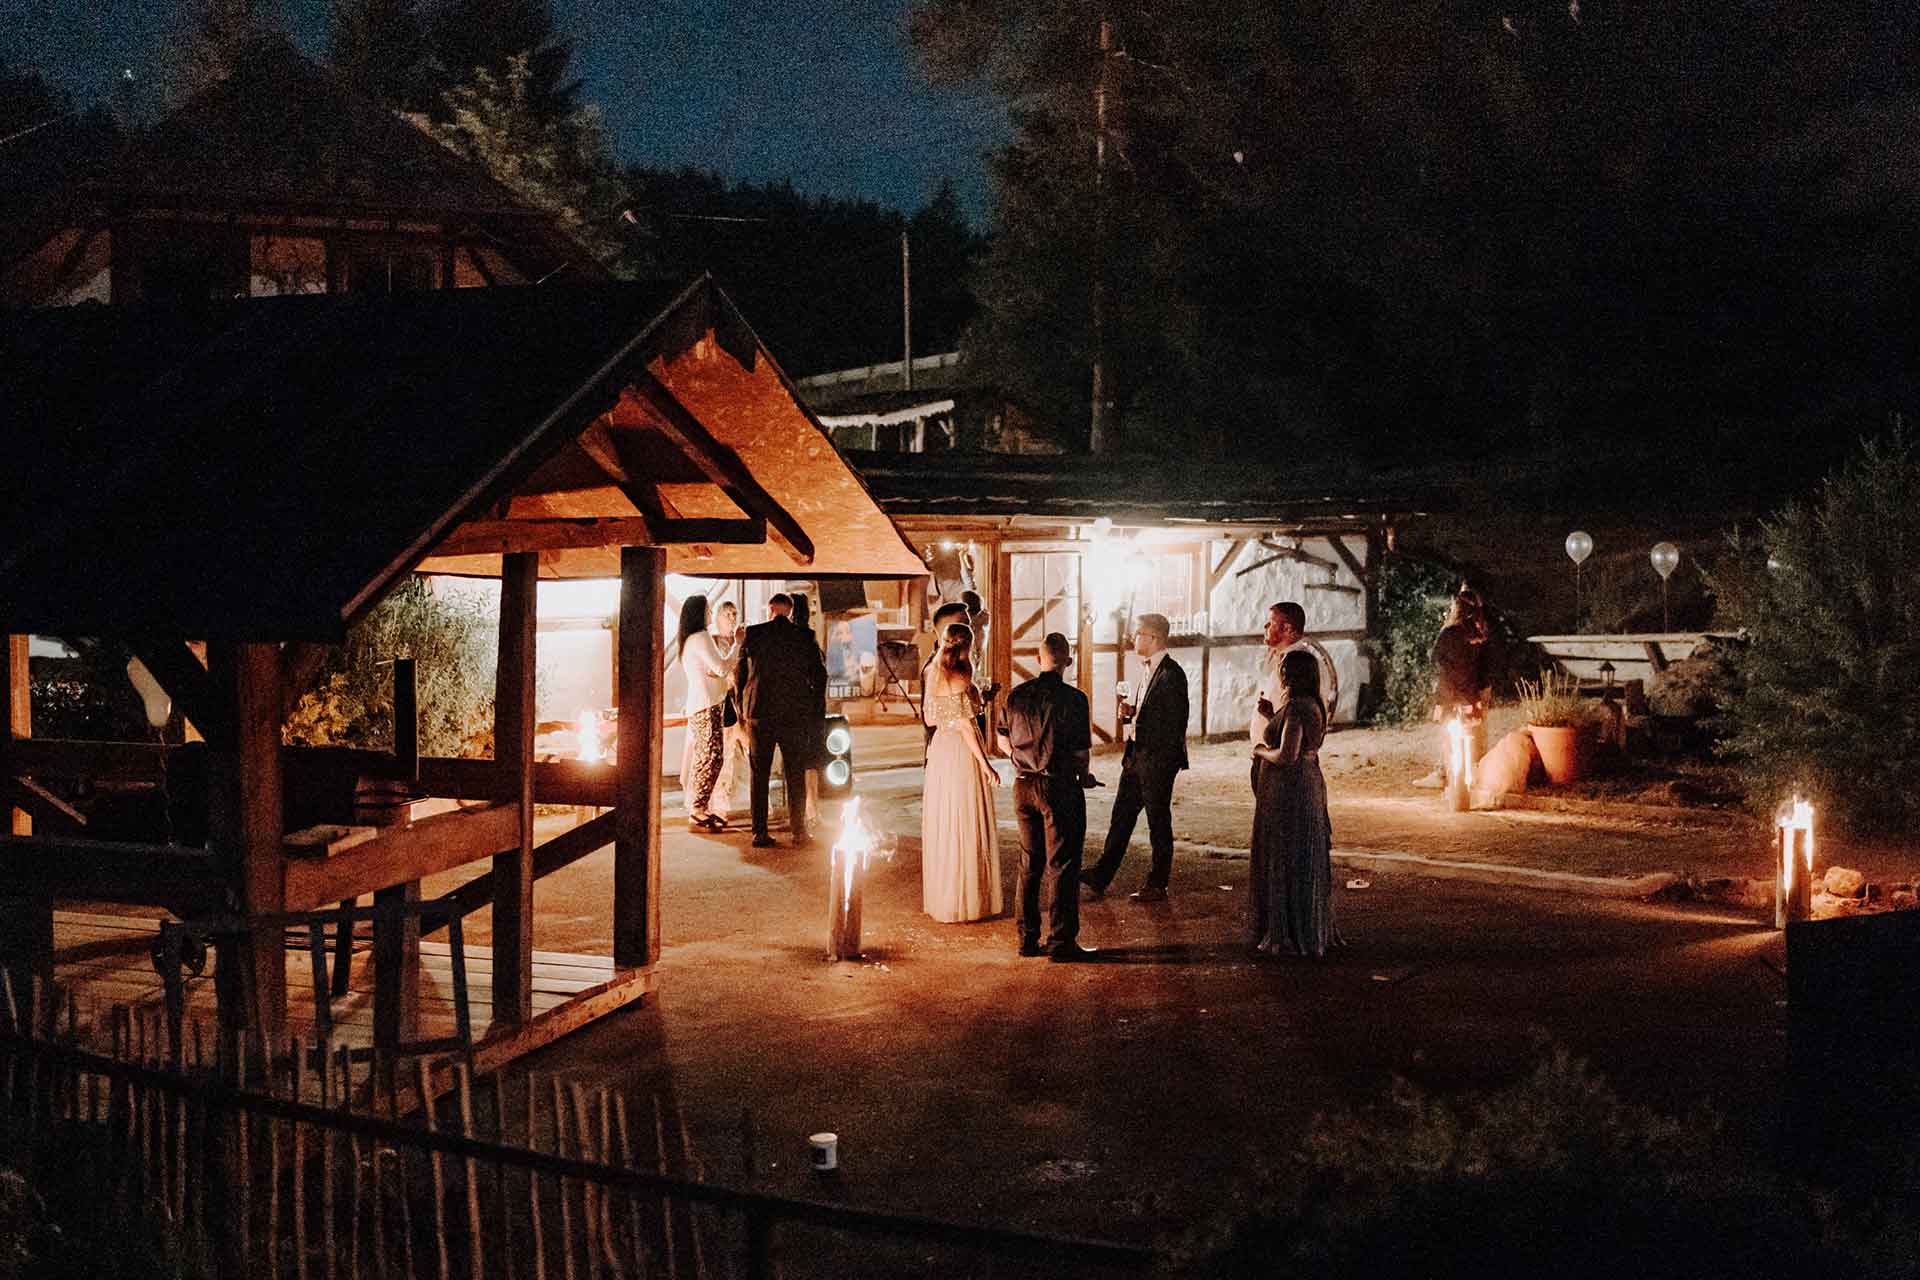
244, 822
1000, 606
26, 924
513, 756
396, 967
636, 815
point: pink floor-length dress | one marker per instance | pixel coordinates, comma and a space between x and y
959, 838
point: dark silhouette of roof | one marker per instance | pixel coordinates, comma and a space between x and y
1141, 489
266, 469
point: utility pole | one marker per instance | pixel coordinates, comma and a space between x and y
1100, 439
906, 311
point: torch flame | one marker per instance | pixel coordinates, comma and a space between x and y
587, 730
1798, 817
857, 846
1460, 750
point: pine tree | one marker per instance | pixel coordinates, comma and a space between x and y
381, 47
471, 35
1824, 700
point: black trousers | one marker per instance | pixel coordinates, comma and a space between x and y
1052, 816
1146, 782
793, 741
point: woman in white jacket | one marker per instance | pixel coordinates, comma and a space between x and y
708, 673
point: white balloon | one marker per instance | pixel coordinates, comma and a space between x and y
1666, 558
152, 697
1579, 546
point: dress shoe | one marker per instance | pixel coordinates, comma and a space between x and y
1071, 953
1148, 894
1032, 949
1091, 892
761, 840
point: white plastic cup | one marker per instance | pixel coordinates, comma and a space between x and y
826, 1151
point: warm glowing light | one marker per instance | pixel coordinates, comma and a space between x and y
839, 738
1460, 751
838, 772
1795, 887
851, 852
1795, 817
587, 731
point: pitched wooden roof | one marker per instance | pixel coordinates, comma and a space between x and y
267, 469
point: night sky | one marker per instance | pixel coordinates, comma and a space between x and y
823, 92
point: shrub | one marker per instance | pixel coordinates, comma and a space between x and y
1824, 695
1552, 1176
352, 703
1414, 595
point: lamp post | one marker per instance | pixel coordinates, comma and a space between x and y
1666, 558
1579, 547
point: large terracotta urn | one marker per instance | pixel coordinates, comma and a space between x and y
1562, 751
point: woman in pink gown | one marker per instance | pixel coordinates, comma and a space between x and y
959, 838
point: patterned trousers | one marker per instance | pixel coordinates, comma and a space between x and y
705, 743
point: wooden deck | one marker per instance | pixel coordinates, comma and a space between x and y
105, 960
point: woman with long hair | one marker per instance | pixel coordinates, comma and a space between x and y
708, 672
1291, 877
959, 836
1462, 684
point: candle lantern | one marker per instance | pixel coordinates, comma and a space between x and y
1459, 794
846, 885
1793, 872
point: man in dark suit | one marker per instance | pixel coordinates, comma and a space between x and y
1156, 753
1049, 736
778, 684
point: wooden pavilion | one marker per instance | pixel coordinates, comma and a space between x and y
257, 475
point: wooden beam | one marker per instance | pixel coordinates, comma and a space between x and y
563, 850
186, 681
1216, 574
26, 919
186, 881
505, 537
401, 854
300, 663
503, 1044
243, 826
101, 761
722, 466
513, 721
575, 782
636, 841
1347, 558
33, 803
396, 966
1000, 613
723, 531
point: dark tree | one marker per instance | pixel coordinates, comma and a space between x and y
381, 46
470, 35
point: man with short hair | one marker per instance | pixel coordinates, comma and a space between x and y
778, 682
1049, 736
1155, 754
1286, 630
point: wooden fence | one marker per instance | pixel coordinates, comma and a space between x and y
310, 1163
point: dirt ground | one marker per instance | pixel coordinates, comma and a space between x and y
1122, 1099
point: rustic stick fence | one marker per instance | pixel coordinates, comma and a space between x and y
304, 1161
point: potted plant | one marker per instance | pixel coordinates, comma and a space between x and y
1560, 722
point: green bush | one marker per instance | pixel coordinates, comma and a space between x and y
1552, 1176
1824, 696
352, 702
1414, 595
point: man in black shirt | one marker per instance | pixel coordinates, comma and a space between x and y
1049, 735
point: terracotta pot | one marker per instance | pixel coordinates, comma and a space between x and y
1562, 751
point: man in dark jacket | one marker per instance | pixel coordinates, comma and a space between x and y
1049, 736
777, 685
1156, 753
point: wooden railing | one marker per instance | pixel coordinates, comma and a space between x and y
295, 1163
